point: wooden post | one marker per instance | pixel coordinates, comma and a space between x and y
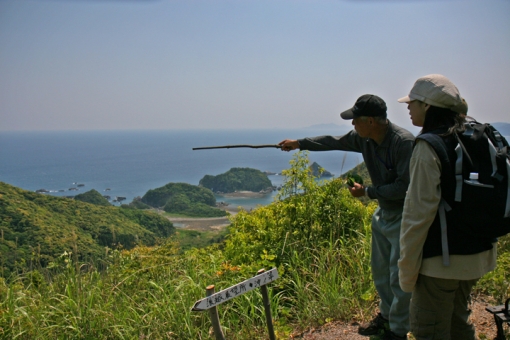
267, 308
213, 315
214, 299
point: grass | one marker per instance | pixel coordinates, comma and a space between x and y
189, 239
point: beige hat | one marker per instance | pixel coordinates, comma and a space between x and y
462, 107
435, 90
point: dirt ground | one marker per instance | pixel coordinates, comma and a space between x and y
342, 330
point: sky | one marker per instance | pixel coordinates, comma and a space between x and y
241, 64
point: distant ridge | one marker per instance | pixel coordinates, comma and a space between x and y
325, 126
503, 128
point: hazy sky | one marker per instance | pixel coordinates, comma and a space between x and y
128, 64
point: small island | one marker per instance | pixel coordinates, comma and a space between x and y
318, 171
238, 180
182, 198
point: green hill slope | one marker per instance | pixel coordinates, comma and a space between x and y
35, 228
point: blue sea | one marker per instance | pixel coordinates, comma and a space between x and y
129, 163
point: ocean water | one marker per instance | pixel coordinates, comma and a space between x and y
129, 163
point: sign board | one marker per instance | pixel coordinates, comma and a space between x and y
236, 290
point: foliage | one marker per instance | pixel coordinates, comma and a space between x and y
237, 179
354, 178
318, 236
93, 197
183, 198
188, 239
497, 282
36, 228
358, 174
306, 214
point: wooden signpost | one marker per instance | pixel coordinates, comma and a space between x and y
214, 299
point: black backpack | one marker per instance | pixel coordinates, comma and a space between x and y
482, 188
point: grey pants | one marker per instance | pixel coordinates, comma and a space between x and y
394, 304
439, 309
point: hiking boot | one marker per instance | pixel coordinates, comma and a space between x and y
375, 326
387, 335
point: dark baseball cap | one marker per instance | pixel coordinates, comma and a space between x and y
367, 105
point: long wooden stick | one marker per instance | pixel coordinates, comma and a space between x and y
240, 146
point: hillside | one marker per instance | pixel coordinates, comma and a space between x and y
36, 228
237, 179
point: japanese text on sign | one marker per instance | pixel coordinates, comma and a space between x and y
236, 290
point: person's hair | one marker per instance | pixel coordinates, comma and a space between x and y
381, 119
438, 117
378, 119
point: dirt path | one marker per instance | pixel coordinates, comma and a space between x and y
341, 330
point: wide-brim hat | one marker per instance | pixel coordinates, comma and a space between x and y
436, 90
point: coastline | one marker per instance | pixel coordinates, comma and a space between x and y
244, 194
216, 223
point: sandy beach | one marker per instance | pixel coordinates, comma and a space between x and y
246, 194
204, 223
213, 223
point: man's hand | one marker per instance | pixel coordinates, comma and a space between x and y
357, 190
289, 144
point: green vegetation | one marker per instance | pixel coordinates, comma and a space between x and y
92, 196
183, 198
188, 239
316, 234
36, 229
354, 178
237, 179
358, 174
136, 204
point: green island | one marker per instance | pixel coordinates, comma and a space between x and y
237, 179
182, 198
76, 270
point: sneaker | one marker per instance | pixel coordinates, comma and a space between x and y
388, 335
375, 326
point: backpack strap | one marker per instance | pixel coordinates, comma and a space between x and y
460, 151
439, 147
507, 208
443, 208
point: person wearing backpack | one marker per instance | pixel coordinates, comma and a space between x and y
386, 150
440, 283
